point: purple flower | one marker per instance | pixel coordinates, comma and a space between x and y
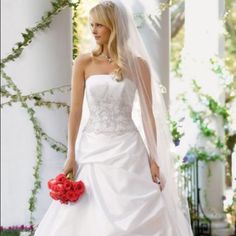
176, 142
189, 157
17, 228
185, 159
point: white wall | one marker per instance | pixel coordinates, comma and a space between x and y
44, 64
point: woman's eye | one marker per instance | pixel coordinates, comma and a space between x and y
96, 24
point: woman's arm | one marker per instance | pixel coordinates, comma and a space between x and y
148, 119
77, 96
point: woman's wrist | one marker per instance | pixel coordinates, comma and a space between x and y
152, 161
71, 155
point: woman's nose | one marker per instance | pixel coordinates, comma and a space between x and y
94, 30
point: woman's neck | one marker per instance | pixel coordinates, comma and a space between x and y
105, 50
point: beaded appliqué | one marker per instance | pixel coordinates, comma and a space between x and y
109, 115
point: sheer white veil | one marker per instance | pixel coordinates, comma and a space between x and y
149, 113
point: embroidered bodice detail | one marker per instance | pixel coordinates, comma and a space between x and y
110, 105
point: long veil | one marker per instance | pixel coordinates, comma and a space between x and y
149, 114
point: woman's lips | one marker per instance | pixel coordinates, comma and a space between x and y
97, 37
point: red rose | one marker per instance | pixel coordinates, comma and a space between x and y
79, 185
68, 185
52, 182
64, 199
60, 188
61, 178
54, 188
79, 191
75, 198
49, 184
54, 195
69, 194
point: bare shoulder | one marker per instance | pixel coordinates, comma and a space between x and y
144, 66
143, 63
83, 59
80, 64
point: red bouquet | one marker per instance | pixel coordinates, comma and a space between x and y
64, 189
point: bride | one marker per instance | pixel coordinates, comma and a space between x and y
122, 153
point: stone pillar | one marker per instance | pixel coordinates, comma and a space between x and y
44, 64
203, 40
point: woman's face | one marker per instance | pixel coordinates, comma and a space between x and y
100, 32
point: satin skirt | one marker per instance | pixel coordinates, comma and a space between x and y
120, 197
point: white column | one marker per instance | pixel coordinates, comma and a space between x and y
44, 64
203, 41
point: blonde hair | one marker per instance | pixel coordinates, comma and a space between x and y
104, 13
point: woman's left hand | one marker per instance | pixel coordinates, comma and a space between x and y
155, 171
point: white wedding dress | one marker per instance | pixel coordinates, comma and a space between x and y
120, 197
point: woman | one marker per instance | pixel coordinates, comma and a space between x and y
125, 193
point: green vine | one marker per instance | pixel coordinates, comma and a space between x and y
36, 97
199, 154
29, 34
204, 128
211, 103
75, 20
213, 108
39, 135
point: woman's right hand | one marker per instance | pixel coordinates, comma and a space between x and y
70, 166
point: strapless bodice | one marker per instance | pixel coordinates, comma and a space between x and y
110, 104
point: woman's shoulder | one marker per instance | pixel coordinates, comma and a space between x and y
144, 67
83, 58
141, 61
82, 61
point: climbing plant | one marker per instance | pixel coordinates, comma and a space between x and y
210, 109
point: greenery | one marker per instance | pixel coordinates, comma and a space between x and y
29, 34
212, 109
225, 70
75, 20
230, 37
231, 209
10, 233
80, 21
222, 70
16, 230
175, 131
